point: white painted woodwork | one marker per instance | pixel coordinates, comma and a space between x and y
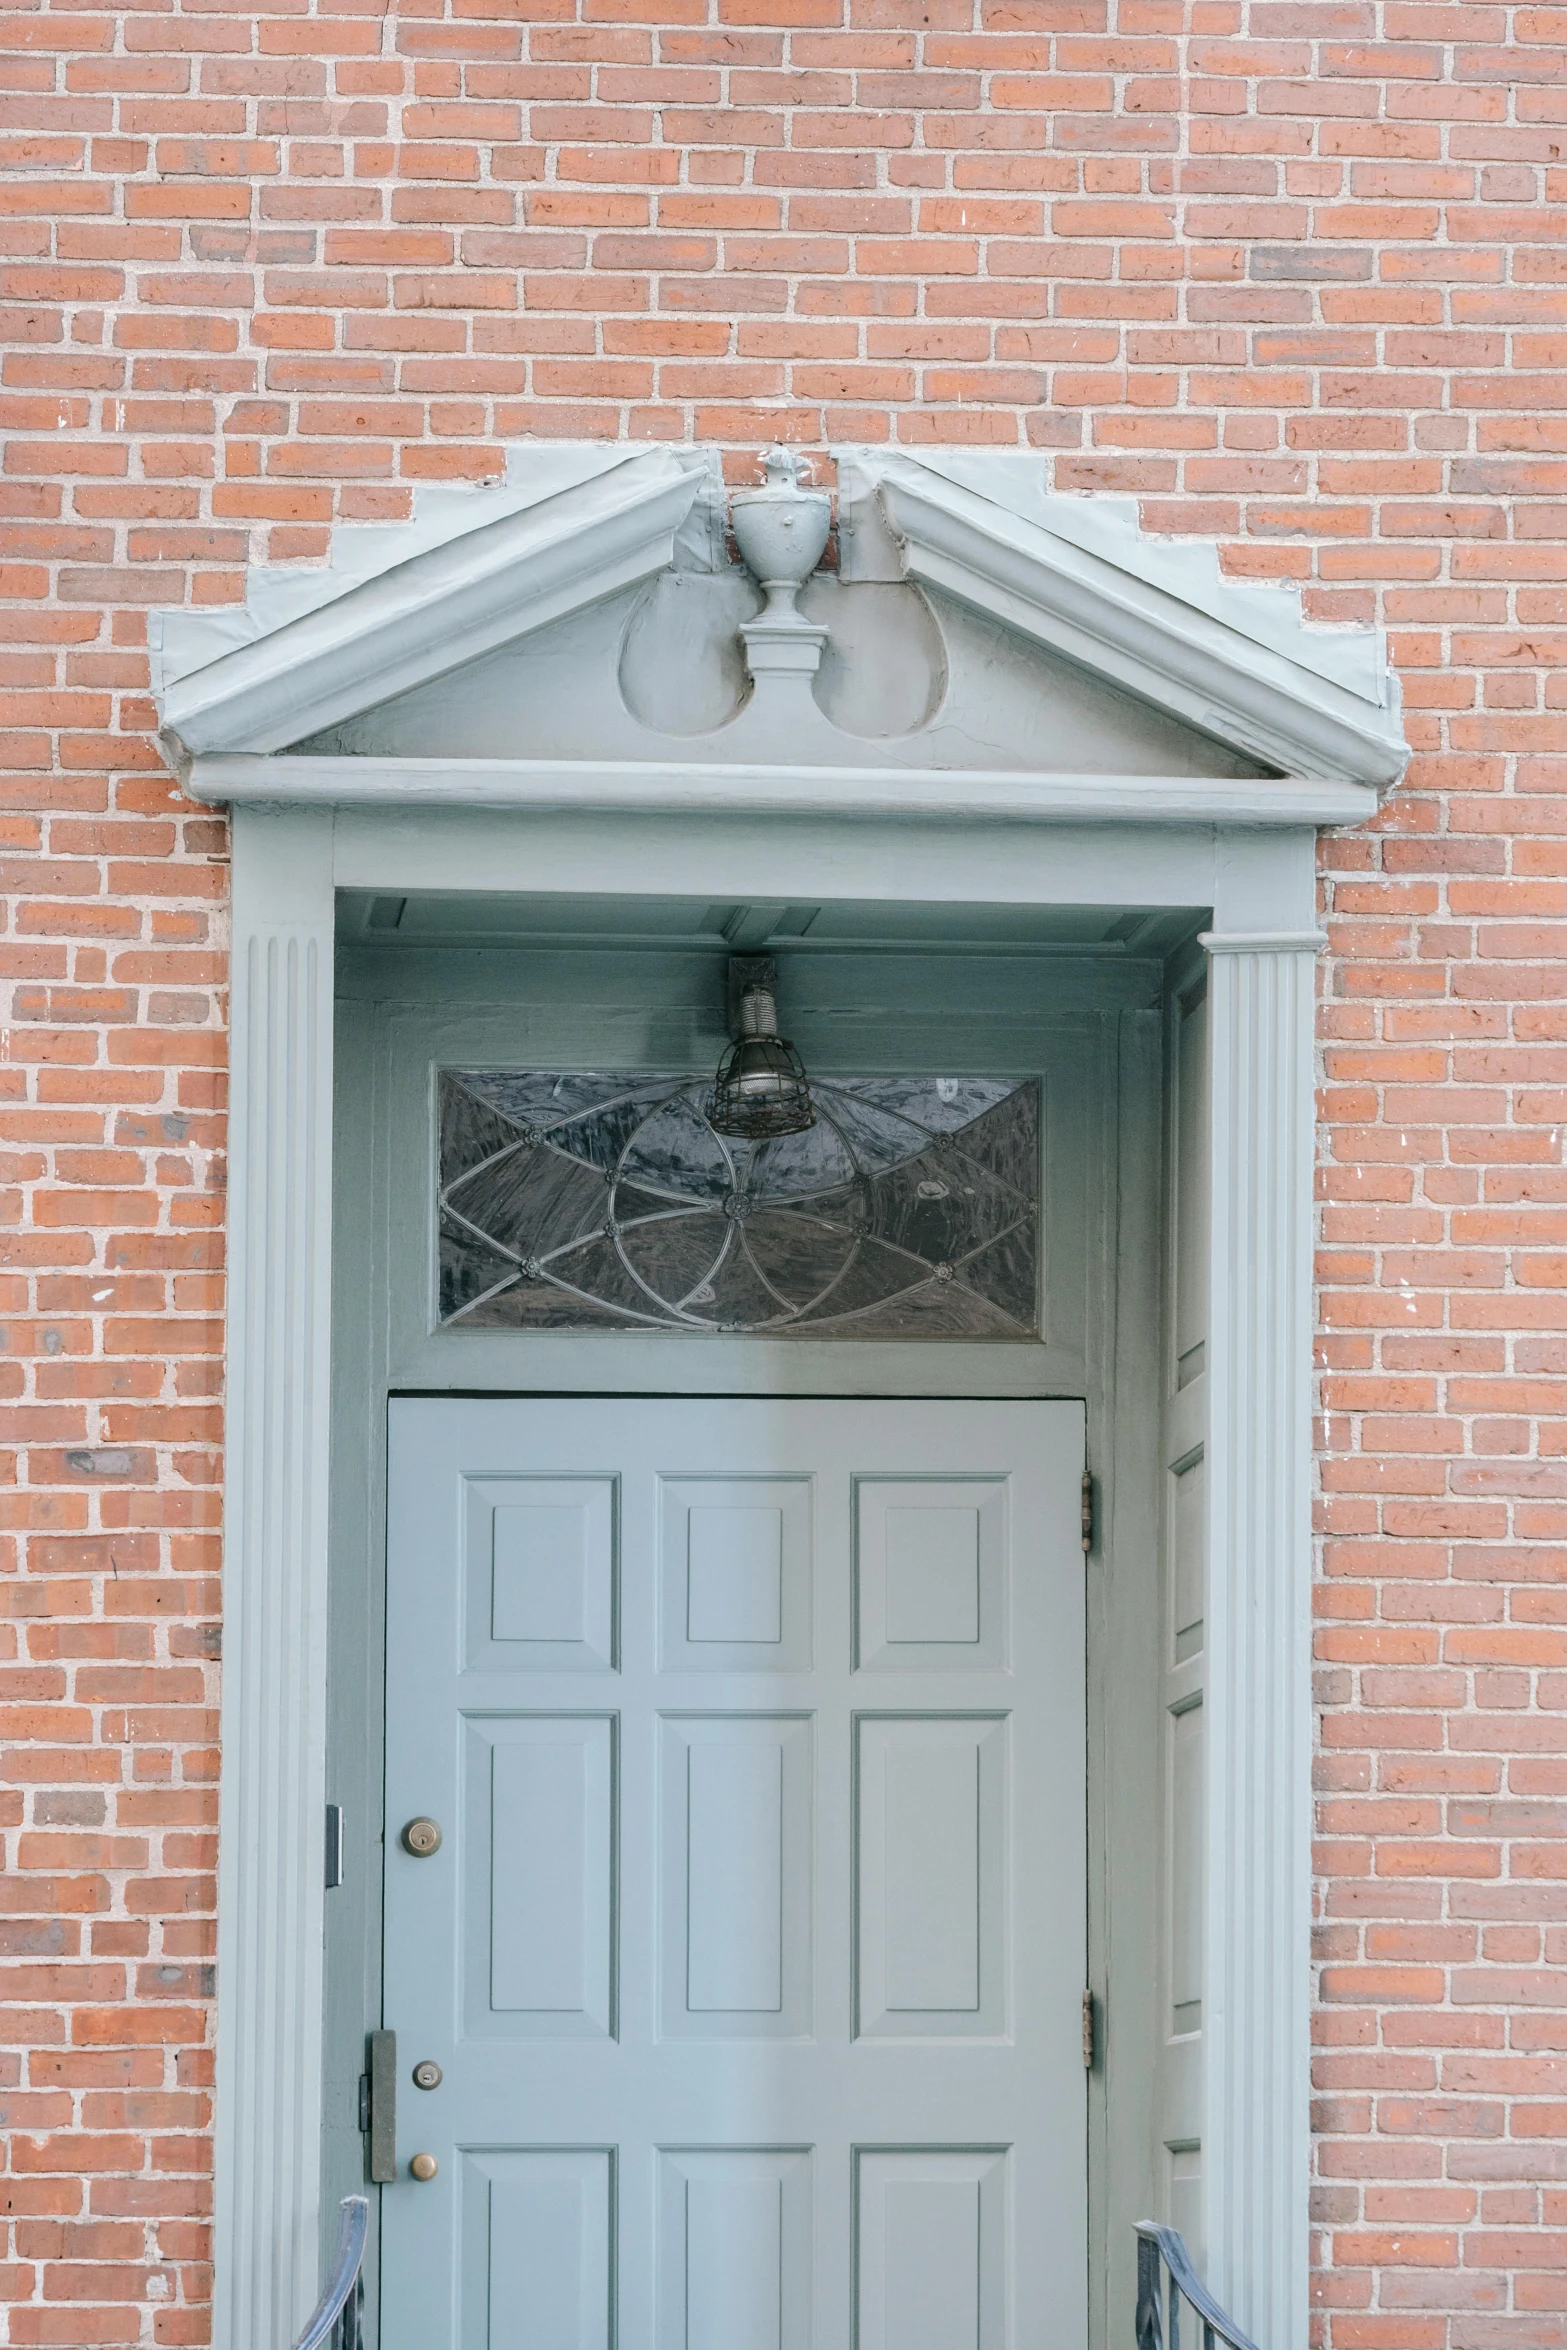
813, 791
1122, 623
1179, 2117
378, 634
274, 1582
754, 1948
1108, 853
1108, 528
974, 696
369, 666
1257, 1712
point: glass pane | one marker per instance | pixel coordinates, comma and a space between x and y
585, 1202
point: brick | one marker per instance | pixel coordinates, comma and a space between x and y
265, 279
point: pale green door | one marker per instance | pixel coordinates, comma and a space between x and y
752, 1952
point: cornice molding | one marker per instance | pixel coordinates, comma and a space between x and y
1102, 615
438, 609
650, 788
1262, 942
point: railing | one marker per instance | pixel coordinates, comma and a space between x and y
1165, 2278
1163, 2261
336, 2322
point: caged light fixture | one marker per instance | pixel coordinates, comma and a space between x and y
761, 1089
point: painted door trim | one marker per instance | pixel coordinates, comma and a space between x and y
843, 794
1260, 886
273, 1781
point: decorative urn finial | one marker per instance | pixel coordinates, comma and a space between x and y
781, 530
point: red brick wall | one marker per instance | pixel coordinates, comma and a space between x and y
1294, 274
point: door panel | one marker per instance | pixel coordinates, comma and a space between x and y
753, 1950
734, 1875
930, 1574
540, 1592
536, 2236
735, 2248
931, 1842
735, 1574
538, 1842
931, 2250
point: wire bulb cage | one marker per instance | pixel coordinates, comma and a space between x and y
761, 1089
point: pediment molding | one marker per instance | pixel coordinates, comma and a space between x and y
313, 652
442, 605
1118, 622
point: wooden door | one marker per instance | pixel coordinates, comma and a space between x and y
752, 1953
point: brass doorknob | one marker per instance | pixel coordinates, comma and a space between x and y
421, 1837
424, 2166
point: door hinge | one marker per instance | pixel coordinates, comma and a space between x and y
334, 1846
1088, 1509
378, 2106
1088, 2030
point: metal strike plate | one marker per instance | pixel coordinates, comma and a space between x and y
382, 2047
334, 1846
421, 1837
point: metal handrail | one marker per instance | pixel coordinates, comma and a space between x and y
336, 2322
1162, 2331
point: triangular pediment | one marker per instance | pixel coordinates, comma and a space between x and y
909, 678
588, 610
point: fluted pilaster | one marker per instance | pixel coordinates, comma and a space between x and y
274, 1581
1257, 1990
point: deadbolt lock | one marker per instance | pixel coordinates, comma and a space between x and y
427, 2074
421, 1837
424, 2166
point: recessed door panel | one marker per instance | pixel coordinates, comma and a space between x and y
930, 1836
930, 2228
541, 1580
538, 1865
536, 2248
735, 1574
930, 1574
751, 1952
734, 2248
735, 1874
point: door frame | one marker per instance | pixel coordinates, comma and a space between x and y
1260, 886
1090, 1030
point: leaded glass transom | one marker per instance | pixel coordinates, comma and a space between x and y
582, 1202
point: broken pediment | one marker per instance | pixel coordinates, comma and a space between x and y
590, 613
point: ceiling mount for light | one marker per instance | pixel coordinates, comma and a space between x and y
761, 1089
